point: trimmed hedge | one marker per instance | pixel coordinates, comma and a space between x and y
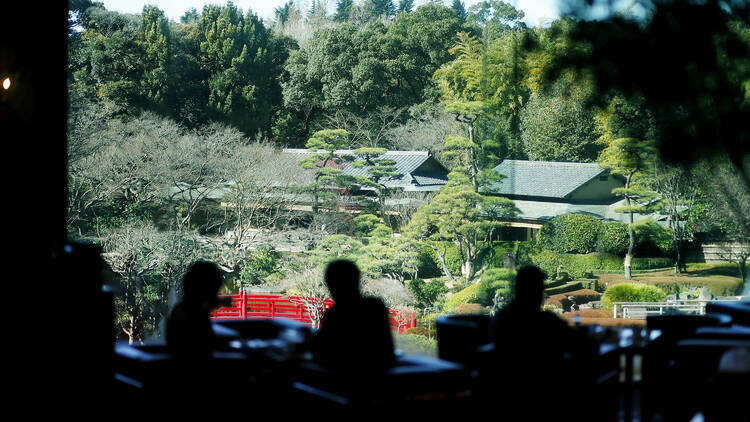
613, 238
651, 239
651, 263
469, 294
575, 264
627, 292
570, 233
568, 287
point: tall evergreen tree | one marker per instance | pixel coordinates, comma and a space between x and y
156, 43
460, 9
382, 8
343, 9
405, 6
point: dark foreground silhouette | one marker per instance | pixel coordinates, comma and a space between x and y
189, 333
534, 348
356, 329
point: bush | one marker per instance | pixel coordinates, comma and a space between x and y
494, 280
570, 233
427, 294
428, 265
569, 287
651, 263
627, 292
414, 344
651, 239
613, 238
469, 294
575, 264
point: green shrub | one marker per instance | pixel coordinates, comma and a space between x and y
428, 265
568, 287
627, 292
575, 264
425, 293
469, 294
494, 280
570, 233
651, 263
613, 238
651, 239
414, 344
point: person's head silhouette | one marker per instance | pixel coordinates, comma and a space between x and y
342, 279
201, 285
529, 288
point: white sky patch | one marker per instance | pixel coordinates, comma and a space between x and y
537, 11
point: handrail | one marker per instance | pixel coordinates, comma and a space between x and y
297, 308
642, 310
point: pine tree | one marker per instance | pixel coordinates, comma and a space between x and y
343, 9
405, 6
460, 9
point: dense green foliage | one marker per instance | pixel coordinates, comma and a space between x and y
612, 238
626, 292
570, 233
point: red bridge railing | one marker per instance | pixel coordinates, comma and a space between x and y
245, 306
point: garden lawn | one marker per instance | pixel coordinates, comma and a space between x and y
721, 279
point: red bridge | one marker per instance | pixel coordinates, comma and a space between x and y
303, 309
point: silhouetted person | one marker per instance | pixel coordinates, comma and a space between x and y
531, 345
189, 332
355, 333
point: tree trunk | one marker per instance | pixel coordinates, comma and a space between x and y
441, 258
474, 167
631, 234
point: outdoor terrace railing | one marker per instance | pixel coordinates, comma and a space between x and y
640, 310
296, 308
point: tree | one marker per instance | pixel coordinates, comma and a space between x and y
460, 215
460, 9
359, 70
558, 126
381, 8
461, 86
698, 56
405, 6
371, 130
115, 166
677, 195
631, 158
327, 165
726, 205
149, 265
196, 167
343, 9
157, 54
379, 171
494, 18
262, 192
190, 16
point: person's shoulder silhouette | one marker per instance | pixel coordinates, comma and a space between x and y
189, 331
355, 332
523, 320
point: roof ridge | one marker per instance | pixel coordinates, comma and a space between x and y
397, 152
557, 163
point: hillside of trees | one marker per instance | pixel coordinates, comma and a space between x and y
175, 131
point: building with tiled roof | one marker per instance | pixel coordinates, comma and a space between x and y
542, 190
419, 170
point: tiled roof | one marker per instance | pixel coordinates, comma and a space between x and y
548, 179
407, 164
